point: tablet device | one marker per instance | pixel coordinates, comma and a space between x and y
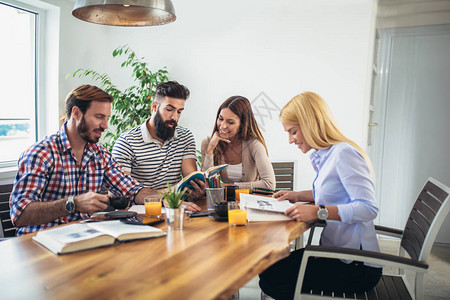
142, 220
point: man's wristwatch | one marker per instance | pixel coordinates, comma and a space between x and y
70, 205
322, 213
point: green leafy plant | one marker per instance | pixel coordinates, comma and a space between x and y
131, 107
172, 197
199, 159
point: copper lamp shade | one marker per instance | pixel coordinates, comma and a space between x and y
125, 12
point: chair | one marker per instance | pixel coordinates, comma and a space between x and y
284, 175
423, 224
7, 229
284, 179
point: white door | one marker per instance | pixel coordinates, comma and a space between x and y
412, 138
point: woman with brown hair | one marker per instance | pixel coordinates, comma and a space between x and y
237, 141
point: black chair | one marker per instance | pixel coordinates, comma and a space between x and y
7, 229
284, 179
284, 175
423, 224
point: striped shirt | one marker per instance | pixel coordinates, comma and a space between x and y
151, 162
48, 171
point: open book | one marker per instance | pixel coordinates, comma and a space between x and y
199, 175
76, 237
261, 208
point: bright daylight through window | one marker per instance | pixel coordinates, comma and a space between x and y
17, 81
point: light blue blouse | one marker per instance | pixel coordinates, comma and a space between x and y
343, 179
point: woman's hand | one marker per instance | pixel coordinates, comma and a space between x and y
303, 212
215, 139
287, 195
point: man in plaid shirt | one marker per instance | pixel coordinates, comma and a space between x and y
59, 178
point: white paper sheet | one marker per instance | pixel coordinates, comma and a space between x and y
253, 215
140, 209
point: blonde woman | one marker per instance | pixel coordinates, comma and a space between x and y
237, 141
342, 195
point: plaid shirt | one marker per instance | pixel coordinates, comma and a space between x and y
48, 171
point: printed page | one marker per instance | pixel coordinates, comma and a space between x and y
116, 228
248, 201
71, 238
140, 209
71, 233
268, 204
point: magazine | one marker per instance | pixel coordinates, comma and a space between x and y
261, 208
269, 204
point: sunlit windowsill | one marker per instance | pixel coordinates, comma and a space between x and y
8, 173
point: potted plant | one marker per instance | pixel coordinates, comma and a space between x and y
131, 107
173, 203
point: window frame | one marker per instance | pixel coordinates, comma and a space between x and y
26, 8
46, 73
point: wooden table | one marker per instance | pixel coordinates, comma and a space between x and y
205, 260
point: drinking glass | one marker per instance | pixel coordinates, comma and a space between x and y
236, 216
152, 206
241, 191
175, 217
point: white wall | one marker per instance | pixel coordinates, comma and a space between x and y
219, 49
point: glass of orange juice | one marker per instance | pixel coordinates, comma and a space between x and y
152, 206
236, 216
241, 191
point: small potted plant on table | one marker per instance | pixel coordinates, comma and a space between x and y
173, 203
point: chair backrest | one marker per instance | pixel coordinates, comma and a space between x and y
7, 229
427, 215
284, 175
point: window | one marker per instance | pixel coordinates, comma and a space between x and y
29, 70
18, 123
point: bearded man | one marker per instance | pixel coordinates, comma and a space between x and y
158, 151
59, 179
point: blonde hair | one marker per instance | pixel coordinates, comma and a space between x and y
316, 122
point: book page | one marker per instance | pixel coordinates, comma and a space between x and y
248, 201
118, 229
254, 215
140, 209
269, 205
71, 234
71, 238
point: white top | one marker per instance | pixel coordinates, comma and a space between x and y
234, 172
149, 161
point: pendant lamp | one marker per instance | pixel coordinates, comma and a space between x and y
125, 12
